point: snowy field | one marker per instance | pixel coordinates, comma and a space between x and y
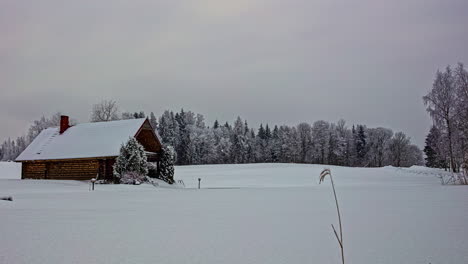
258, 213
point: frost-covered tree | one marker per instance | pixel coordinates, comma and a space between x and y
461, 83
239, 142
202, 147
398, 149
202, 142
441, 104
336, 144
168, 129
320, 141
127, 115
413, 156
222, 144
344, 136
8, 150
304, 131
275, 145
200, 121
288, 144
43, 123
130, 162
223, 148
378, 142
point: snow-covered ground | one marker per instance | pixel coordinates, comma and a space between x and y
256, 213
10, 170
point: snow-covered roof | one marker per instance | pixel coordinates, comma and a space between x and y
87, 140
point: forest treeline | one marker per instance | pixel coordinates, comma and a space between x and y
196, 142
322, 142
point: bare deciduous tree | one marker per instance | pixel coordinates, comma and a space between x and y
305, 136
398, 147
379, 139
105, 111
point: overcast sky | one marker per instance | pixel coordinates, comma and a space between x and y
280, 62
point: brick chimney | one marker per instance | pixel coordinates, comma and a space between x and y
64, 124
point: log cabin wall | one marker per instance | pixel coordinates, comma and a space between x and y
61, 170
33, 170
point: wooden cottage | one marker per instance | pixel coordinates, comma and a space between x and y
84, 151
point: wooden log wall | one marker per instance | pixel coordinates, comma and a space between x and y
61, 170
33, 170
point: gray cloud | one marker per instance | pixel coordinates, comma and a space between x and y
269, 61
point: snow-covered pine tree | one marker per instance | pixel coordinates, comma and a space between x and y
261, 132
184, 120
275, 145
153, 121
168, 129
267, 132
361, 145
246, 128
131, 165
261, 146
239, 146
166, 171
250, 146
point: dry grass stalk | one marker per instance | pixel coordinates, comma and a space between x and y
324, 173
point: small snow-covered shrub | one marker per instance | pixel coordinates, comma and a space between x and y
132, 178
132, 159
453, 179
103, 182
